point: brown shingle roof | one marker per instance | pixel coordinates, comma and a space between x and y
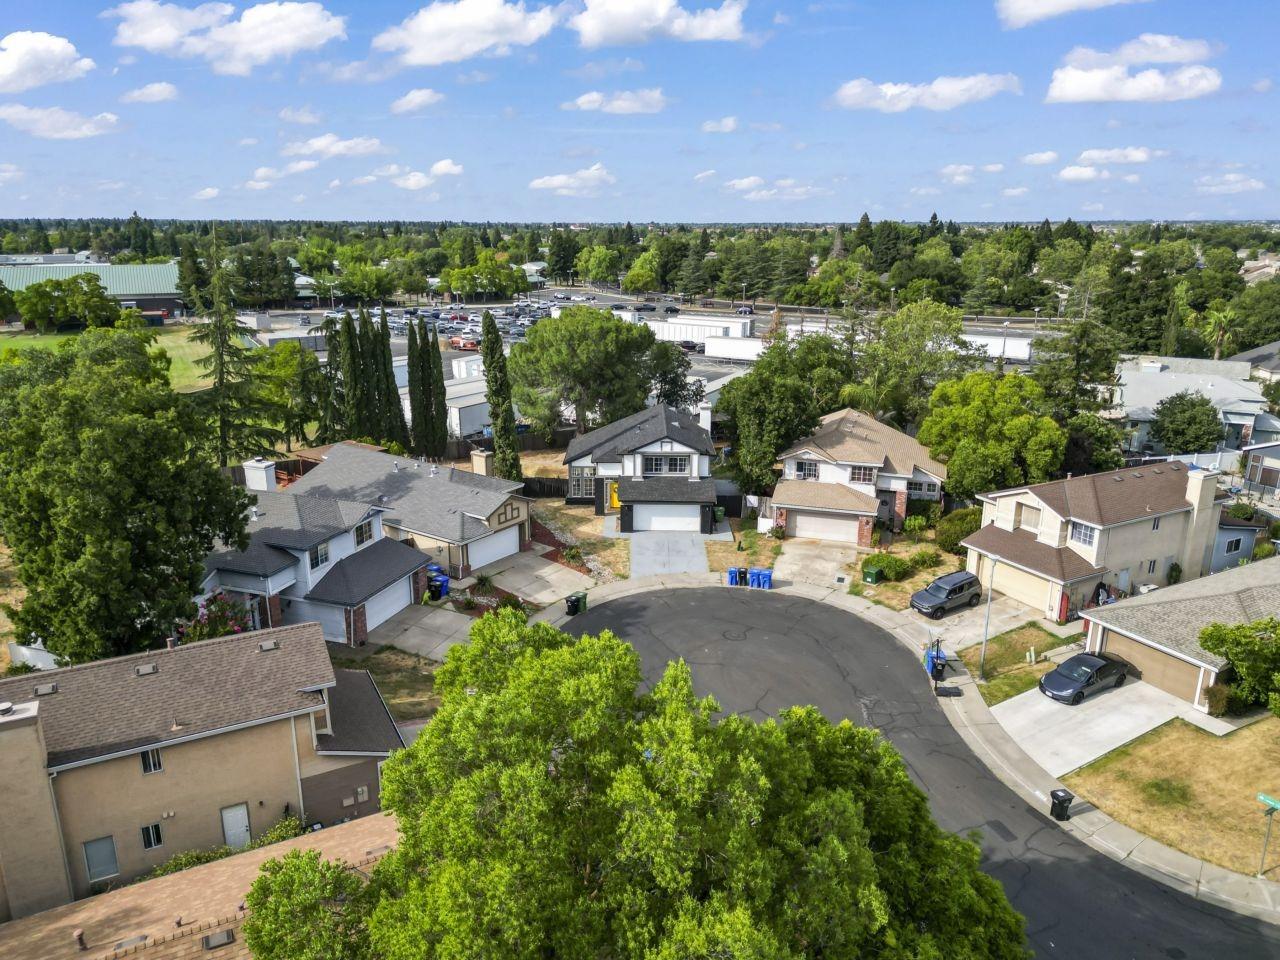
848, 436
815, 495
104, 708
1022, 549
1117, 495
361, 723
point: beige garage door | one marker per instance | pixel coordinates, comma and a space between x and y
822, 526
1017, 584
1156, 668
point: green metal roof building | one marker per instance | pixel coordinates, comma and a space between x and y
124, 281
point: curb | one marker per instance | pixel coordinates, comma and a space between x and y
1000, 754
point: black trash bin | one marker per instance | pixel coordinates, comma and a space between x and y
742, 576
572, 604
434, 590
1060, 804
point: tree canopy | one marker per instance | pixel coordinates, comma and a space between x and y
1187, 422
502, 416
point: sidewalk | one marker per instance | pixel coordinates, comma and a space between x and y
972, 719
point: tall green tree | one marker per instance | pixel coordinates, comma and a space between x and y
1253, 650
555, 808
107, 499
506, 444
394, 428
355, 384
305, 908
294, 385
669, 372
433, 377
1074, 364
1187, 422
419, 399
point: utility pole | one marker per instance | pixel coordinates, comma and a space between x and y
986, 626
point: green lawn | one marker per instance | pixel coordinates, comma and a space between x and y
183, 372
1008, 673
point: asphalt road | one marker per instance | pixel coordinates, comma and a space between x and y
759, 653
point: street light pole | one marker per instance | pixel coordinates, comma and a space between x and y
986, 626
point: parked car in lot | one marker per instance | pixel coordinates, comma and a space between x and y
463, 342
645, 308
689, 346
946, 593
670, 309
618, 306
745, 311
1084, 675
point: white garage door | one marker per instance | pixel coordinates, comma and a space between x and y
666, 516
493, 547
386, 603
822, 526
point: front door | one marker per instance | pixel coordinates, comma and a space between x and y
235, 826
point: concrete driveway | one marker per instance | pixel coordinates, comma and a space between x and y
1062, 738
532, 577
964, 627
426, 631
654, 554
815, 561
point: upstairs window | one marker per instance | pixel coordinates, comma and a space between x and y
364, 533
1084, 535
806, 470
151, 836
659, 465
862, 474
318, 555
151, 762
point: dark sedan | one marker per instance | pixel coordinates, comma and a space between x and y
1084, 675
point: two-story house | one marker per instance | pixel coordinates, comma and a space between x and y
315, 558
1262, 470
461, 519
112, 767
850, 472
652, 468
1062, 546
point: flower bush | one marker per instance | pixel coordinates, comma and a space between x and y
219, 616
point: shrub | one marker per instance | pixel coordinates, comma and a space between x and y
957, 525
925, 559
1175, 573
572, 554
931, 510
468, 602
1241, 511
484, 584
511, 601
778, 531
1274, 532
891, 567
286, 828
18, 668
749, 518
218, 617
914, 527
1219, 696
1263, 550
875, 537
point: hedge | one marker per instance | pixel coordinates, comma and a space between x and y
957, 525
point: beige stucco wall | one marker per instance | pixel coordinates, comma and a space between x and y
1129, 546
115, 798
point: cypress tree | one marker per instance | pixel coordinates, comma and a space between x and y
349, 368
506, 446
419, 403
393, 425
438, 436
370, 413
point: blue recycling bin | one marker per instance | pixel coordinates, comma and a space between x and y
753, 577
444, 584
733, 576
434, 568
766, 579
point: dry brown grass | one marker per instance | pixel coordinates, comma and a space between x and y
405, 680
1192, 790
759, 549
533, 463
10, 592
1008, 673
579, 525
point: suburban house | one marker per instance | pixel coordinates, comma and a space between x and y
315, 558
1159, 633
1233, 545
1062, 546
852, 471
652, 468
460, 519
119, 764
1142, 382
1264, 361
1262, 469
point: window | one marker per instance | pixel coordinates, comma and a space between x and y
1026, 518
931, 487
318, 555
100, 858
657, 465
1233, 546
806, 470
1083, 534
508, 512
151, 836
862, 474
151, 762
1151, 566
582, 481
1155, 524
364, 533
915, 486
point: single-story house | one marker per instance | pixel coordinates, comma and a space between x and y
1262, 469
1235, 540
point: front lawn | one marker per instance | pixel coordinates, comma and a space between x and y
897, 595
578, 525
405, 680
1192, 790
1008, 673
184, 375
758, 549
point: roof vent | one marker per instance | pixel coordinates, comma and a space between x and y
45, 689
1175, 467
144, 670
6, 708
1156, 470
1137, 475
1117, 479
266, 645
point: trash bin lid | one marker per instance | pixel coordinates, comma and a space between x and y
1061, 794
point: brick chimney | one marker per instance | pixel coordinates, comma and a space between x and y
260, 474
482, 462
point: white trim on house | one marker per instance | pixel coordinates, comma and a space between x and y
1103, 625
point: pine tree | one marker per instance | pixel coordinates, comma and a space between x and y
351, 373
862, 236
419, 403
392, 423
506, 446
438, 436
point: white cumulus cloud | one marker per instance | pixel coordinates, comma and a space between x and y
944, 93
157, 92
1014, 191
450, 32
1229, 183
30, 59
247, 142
1120, 155
1082, 174
9, 172
208, 193
992, 167
446, 168
1146, 48
288, 170
1093, 76
608, 22
704, 175
580, 183
723, 125
1020, 13
55, 123
957, 173
788, 189
263, 33
745, 183
416, 100
331, 145
924, 191
648, 100
302, 115
1039, 159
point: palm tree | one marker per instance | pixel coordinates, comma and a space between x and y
1221, 325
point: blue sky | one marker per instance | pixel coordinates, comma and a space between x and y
641, 109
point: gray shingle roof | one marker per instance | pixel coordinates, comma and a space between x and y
358, 717
1022, 549
103, 708
607, 444
119, 279
1174, 616
447, 506
357, 577
1117, 495
1265, 357
666, 490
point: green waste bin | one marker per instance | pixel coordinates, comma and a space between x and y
719, 514
581, 597
871, 575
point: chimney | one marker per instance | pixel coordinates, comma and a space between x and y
260, 474
1202, 487
482, 462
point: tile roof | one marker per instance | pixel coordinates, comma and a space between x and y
1022, 549
359, 717
102, 708
448, 506
1115, 496
119, 279
849, 436
666, 490
358, 576
816, 495
607, 444
1174, 616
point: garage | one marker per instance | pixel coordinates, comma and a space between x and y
822, 526
685, 517
1016, 584
493, 547
387, 603
1156, 667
